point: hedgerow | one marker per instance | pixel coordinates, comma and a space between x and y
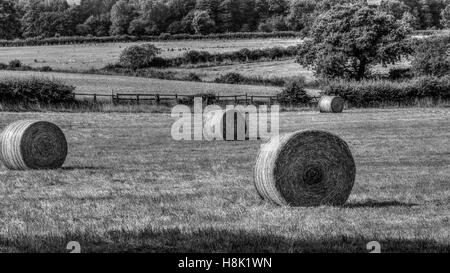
375, 92
35, 90
36, 41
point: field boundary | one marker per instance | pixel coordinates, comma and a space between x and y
137, 98
71, 40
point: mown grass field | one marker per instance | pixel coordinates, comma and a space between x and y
127, 186
87, 56
102, 84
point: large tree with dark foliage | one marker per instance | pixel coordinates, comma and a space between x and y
348, 39
9, 20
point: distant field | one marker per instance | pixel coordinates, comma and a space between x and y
86, 56
283, 69
101, 84
127, 186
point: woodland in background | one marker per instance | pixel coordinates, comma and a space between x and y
54, 18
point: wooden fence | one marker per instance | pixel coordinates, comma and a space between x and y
159, 98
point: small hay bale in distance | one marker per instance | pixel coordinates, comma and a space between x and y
227, 125
305, 168
29, 144
331, 104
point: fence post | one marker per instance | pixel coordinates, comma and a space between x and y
246, 102
137, 98
235, 100
157, 100
95, 98
251, 99
270, 101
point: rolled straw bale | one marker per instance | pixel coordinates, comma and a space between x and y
331, 104
29, 144
224, 124
305, 168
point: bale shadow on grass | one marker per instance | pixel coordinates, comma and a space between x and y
77, 168
211, 241
378, 204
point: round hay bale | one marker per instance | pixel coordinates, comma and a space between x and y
331, 104
228, 125
29, 144
305, 168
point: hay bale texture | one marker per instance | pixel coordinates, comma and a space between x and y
29, 144
331, 104
305, 168
228, 125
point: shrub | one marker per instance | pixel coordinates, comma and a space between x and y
138, 56
294, 93
35, 90
192, 77
14, 64
230, 78
194, 56
3, 66
45, 68
400, 73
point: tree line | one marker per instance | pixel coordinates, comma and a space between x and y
50, 18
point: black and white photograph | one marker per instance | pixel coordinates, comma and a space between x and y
223, 127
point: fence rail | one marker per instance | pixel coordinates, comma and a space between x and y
136, 98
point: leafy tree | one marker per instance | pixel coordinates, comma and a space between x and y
278, 7
394, 7
186, 23
262, 9
349, 39
175, 28
249, 15
122, 13
98, 25
156, 14
138, 56
302, 14
9, 20
445, 17
229, 15
202, 22
431, 57
48, 19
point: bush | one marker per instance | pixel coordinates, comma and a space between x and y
45, 68
35, 90
14, 64
192, 77
194, 56
294, 93
236, 78
138, 56
431, 58
3, 66
400, 73
230, 78
375, 92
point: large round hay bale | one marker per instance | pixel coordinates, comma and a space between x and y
29, 144
224, 124
331, 104
305, 168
